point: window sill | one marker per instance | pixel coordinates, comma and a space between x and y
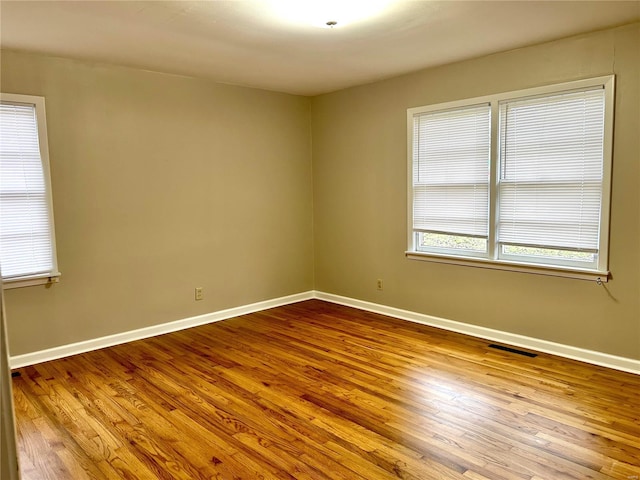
556, 271
47, 279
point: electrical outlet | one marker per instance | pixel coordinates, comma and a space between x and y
199, 295
380, 286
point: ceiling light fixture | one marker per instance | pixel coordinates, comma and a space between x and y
327, 13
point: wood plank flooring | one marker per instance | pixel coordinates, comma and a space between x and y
319, 391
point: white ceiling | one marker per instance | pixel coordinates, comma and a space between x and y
244, 42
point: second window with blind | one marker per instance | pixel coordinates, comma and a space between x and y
27, 237
520, 178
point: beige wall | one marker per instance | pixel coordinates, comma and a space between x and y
359, 175
162, 183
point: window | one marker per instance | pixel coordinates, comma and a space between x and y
517, 181
27, 240
451, 180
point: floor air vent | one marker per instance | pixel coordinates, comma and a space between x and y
513, 350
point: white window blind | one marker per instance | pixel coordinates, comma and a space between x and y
451, 151
26, 230
551, 171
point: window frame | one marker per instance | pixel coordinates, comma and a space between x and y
493, 259
53, 275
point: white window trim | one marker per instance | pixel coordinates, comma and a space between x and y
601, 273
41, 116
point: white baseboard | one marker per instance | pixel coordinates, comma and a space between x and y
18, 361
596, 358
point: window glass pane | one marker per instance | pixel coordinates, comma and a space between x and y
427, 241
549, 253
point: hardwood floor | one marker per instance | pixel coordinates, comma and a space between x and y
319, 391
